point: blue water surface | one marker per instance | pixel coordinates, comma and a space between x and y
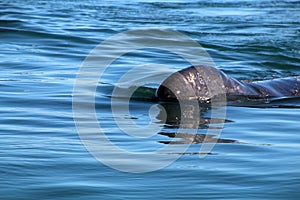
43, 44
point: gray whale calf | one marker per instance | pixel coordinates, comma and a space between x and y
202, 83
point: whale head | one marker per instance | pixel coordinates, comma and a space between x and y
199, 83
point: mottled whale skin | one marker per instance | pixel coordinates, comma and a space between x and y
201, 83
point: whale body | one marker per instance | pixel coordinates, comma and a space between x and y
202, 83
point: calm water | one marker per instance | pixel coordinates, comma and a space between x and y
43, 44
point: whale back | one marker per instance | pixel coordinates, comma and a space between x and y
202, 83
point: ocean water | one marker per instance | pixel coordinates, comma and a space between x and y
44, 44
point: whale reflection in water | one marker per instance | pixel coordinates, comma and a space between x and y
173, 121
